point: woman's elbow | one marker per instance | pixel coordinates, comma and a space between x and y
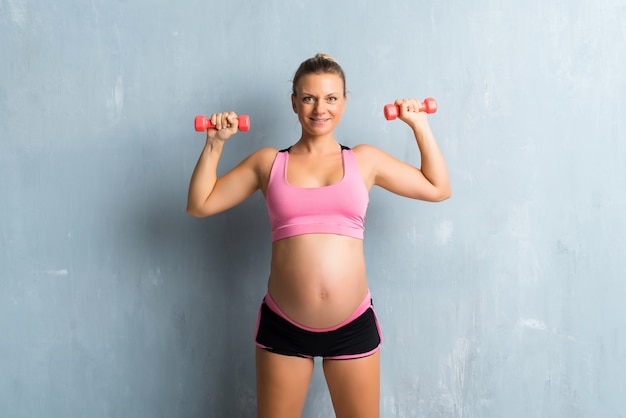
193, 212
196, 211
440, 195
445, 195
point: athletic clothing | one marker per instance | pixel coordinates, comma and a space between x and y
336, 209
356, 337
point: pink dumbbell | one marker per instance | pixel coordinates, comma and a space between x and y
429, 105
201, 123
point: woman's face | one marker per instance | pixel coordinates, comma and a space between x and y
319, 102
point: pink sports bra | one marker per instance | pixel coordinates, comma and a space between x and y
336, 209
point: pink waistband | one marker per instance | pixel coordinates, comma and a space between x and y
367, 303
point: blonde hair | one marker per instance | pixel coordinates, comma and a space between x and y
319, 64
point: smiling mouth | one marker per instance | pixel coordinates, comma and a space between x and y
319, 120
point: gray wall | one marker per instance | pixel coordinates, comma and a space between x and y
505, 301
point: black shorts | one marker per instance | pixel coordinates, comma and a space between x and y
358, 336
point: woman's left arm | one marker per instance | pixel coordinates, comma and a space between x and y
430, 182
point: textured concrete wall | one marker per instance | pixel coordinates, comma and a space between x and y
504, 301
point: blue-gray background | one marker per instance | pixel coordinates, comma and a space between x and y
505, 301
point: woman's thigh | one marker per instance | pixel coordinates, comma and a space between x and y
282, 384
354, 386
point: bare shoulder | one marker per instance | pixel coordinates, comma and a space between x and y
368, 158
262, 157
262, 161
364, 149
367, 154
265, 152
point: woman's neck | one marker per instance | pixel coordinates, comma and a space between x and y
317, 145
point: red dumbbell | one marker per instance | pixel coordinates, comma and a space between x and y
201, 123
429, 105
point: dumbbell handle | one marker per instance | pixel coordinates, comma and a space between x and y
201, 123
429, 105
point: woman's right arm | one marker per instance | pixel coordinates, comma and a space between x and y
209, 194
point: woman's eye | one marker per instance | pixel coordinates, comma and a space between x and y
332, 99
308, 100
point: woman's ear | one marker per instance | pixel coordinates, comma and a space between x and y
293, 103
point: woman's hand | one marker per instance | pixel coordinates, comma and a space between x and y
226, 124
411, 115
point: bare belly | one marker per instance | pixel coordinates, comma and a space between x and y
318, 280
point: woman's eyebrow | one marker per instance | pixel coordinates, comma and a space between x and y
304, 93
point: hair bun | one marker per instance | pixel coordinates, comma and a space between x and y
319, 64
324, 56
